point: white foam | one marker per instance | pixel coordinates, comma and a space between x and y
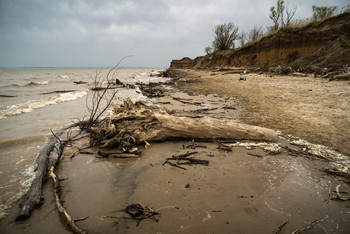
30, 106
3, 212
9, 198
31, 83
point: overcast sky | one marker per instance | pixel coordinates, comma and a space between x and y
98, 33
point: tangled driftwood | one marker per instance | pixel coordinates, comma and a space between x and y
133, 124
33, 197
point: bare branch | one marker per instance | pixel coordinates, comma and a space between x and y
290, 12
255, 33
101, 94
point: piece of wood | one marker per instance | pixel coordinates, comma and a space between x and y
188, 161
132, 124
70, 221
310, 225
281, 227
255, 155
138, 212
34, 197
184, 155
174, 165
118, 155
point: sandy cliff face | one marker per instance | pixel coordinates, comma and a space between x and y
322, 44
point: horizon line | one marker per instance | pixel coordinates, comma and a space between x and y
82, 67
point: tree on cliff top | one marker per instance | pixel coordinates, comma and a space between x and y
277, 14
322, 13
281, 15
208, 50
225, 36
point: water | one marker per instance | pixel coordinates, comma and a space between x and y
35, 100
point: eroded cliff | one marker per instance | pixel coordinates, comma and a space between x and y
322, 44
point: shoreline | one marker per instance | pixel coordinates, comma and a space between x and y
247, 189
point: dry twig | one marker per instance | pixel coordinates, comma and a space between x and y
310, 225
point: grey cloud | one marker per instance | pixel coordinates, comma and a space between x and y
99, 32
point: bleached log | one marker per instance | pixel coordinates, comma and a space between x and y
133, 124
34, 197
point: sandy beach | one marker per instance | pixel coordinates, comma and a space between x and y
312, 108
175, 117
247, 187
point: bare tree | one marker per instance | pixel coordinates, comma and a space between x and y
321, 13
290, 12
208, 49
281, 15
255, 33
276, 14
242, 38
224, 36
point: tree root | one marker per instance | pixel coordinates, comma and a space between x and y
132, 124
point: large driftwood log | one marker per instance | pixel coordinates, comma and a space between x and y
33, 197
133, 124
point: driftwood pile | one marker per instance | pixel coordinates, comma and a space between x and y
133, 124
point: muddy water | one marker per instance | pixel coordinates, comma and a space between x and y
32, 107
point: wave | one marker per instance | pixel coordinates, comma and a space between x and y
30, 106
31, 83
9, 198
21, 140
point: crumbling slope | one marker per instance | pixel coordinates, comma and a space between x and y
323, 44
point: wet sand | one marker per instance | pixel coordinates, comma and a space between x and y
246, 190
243, 191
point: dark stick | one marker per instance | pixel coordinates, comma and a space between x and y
175, 165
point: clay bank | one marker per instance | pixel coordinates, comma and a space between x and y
312, 48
